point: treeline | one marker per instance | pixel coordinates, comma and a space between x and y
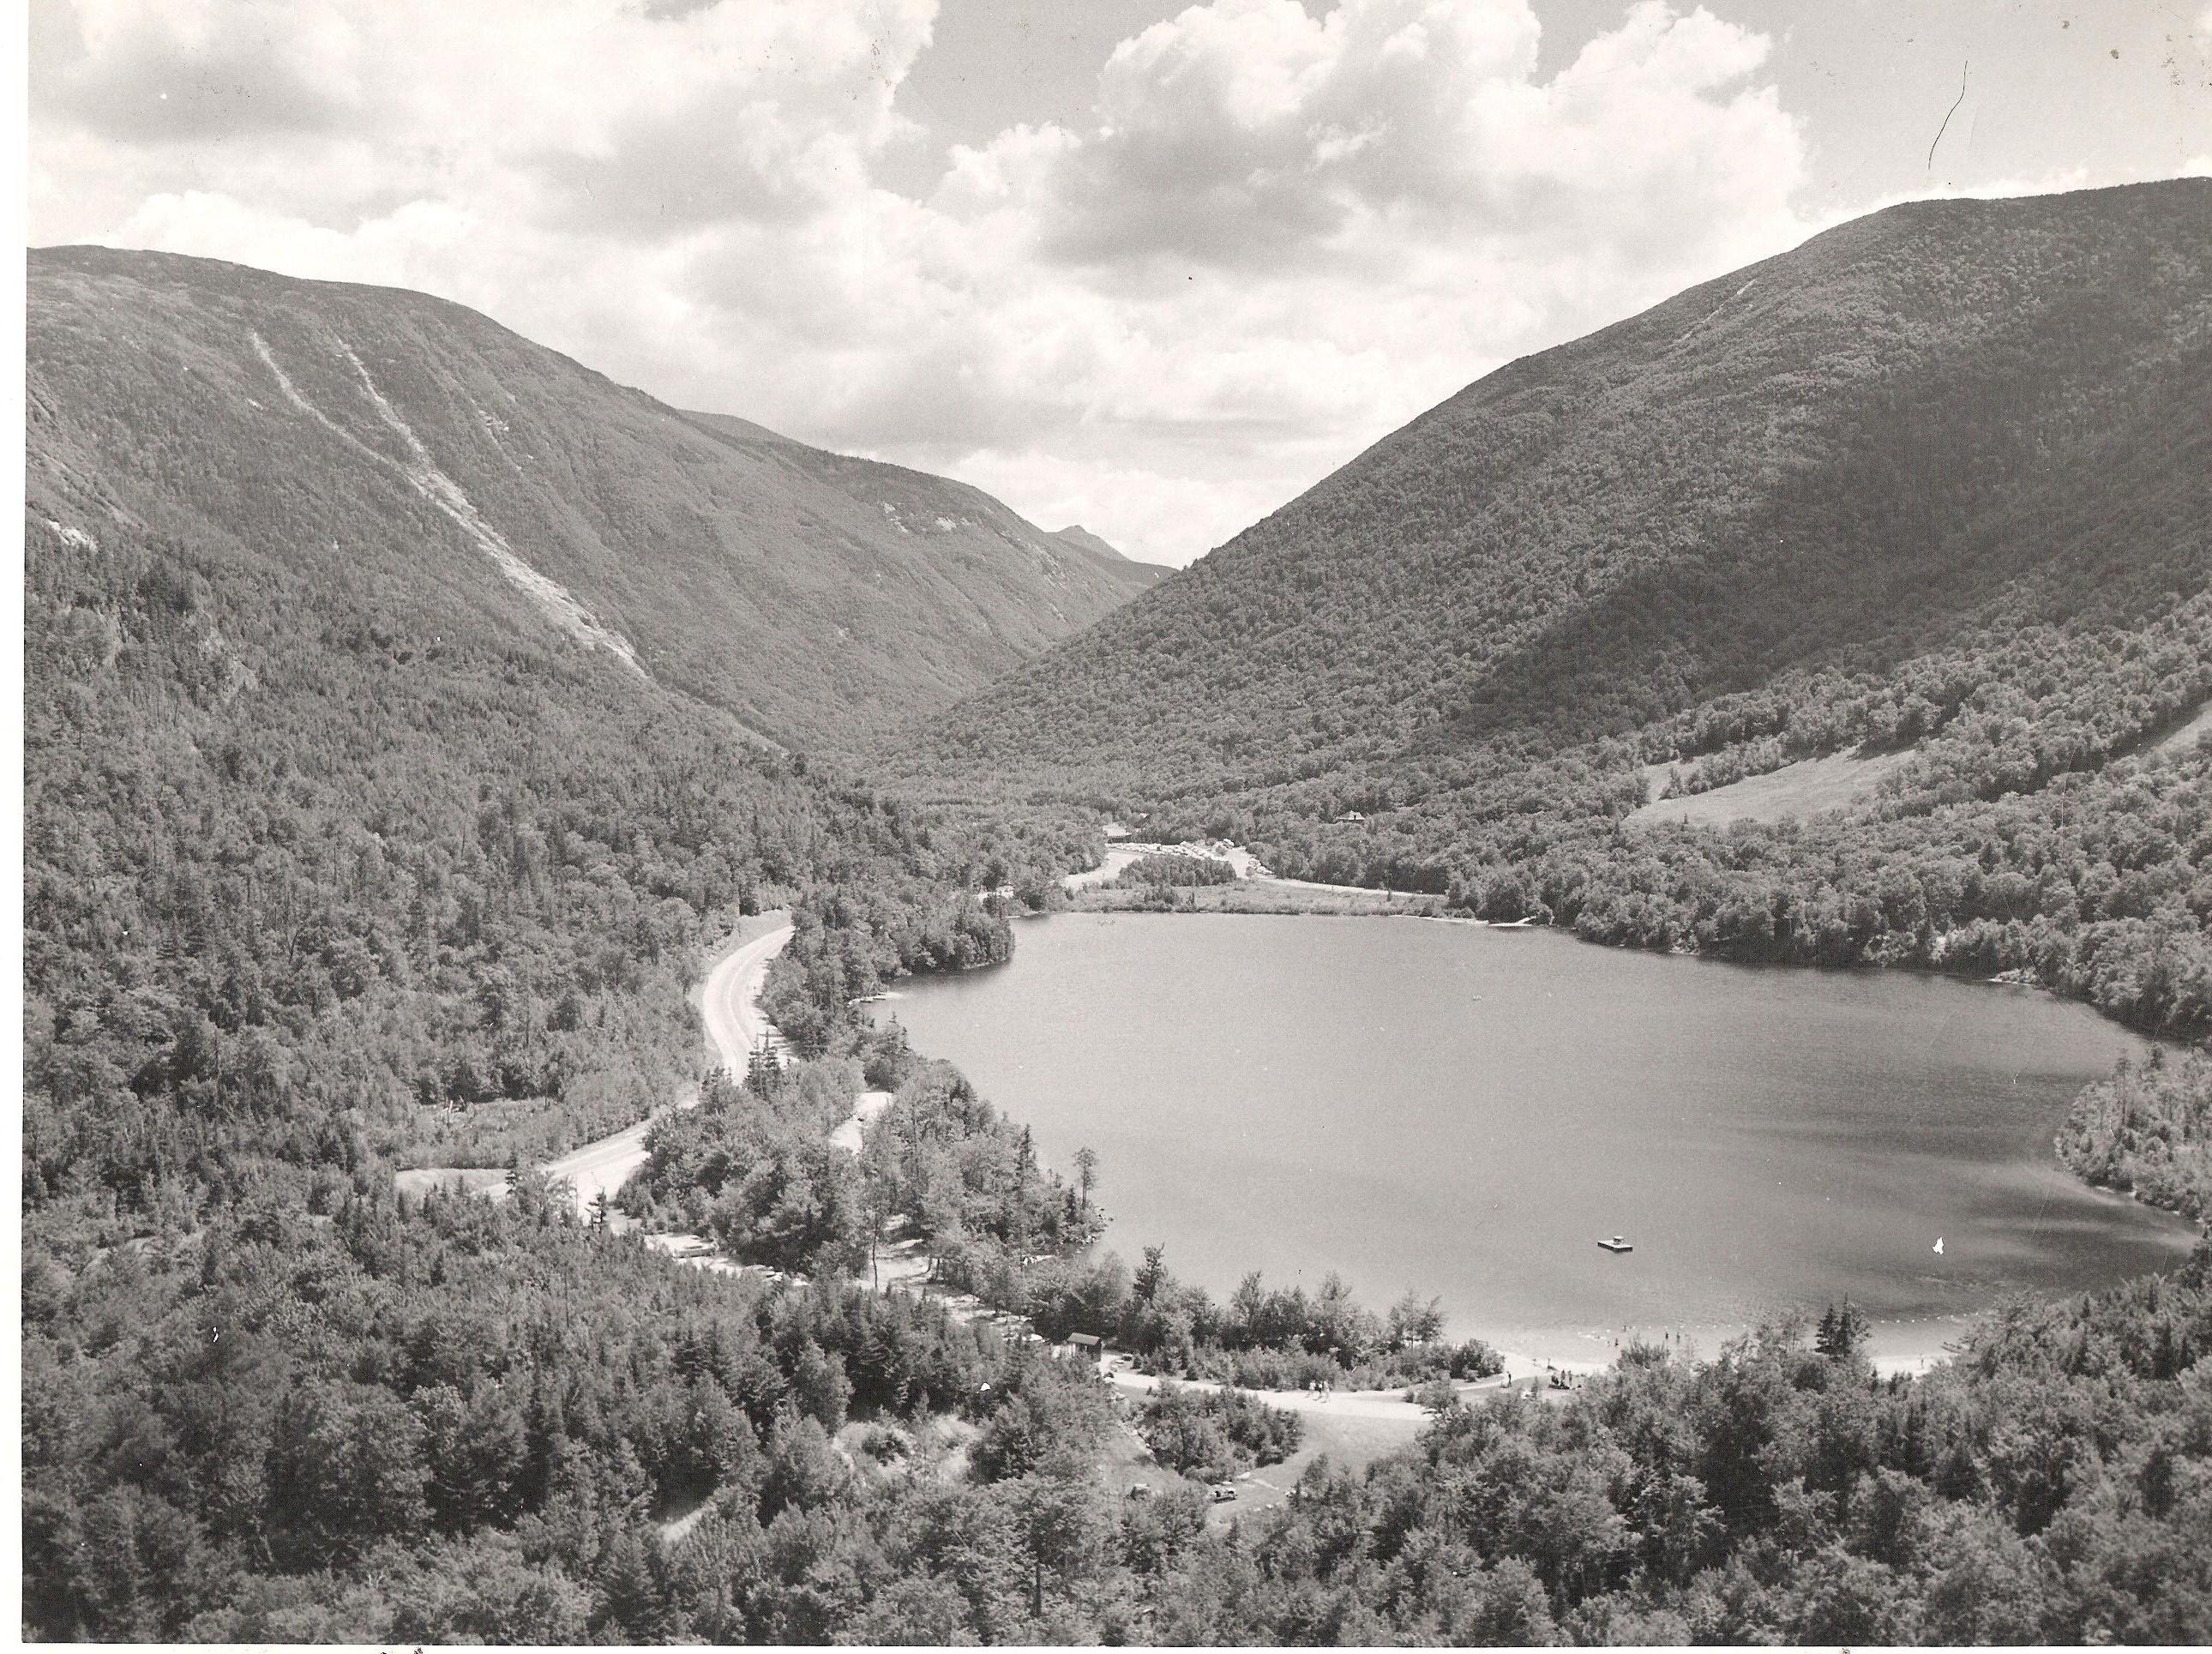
2048, 1487
1176, 870
2098, 884
853, 937
306, 861
2147, 1130
1967, 535
327, 872
2032, 829
1262, 1338
753, 1167
847, 942
457, 1420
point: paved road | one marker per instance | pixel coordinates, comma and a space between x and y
730, 999
735, 1022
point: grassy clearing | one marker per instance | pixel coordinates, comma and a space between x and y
2189, 733
1790, 794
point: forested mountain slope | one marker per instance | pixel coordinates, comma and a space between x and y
341, 858
1935, 484
1840, 458
346, 842
811, 596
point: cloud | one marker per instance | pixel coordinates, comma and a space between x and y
183, 73
567, 113
1278, 235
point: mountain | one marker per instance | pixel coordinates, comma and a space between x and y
964, 527
1081, 539
1922, 503
1838, 456
812, 596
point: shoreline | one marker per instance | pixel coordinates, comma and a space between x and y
1297, 897
1912, 1344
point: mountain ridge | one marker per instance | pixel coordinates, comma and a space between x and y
1469, 545
739, 565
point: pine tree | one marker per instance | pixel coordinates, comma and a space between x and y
1841, 1331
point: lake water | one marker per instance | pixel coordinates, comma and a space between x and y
1468, 1111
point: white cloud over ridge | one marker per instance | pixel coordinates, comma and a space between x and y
1281, 234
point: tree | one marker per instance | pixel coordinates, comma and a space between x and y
1061, 1531
1842, 1331
346, 1468
1412, 1321
1086, 1175
763, 1072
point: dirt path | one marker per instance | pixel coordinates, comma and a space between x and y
1105, 873
866, 1107
1382, 1406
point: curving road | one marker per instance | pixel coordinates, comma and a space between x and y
730, 1002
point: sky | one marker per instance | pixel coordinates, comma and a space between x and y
1153, 268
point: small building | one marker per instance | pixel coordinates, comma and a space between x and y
1082, 1347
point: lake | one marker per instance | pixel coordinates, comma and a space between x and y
1468, 1111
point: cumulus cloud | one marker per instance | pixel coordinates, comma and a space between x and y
1241, 130
1278, 234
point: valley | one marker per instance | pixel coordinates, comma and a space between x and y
446, 769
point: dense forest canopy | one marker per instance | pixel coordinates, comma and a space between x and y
1852, 455
347, 850
342, 862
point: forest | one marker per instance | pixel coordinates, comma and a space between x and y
457, 1420
340, 861
1929, 489
2148, 1131
327, 875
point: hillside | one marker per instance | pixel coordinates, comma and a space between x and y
352, 843
964, 528
1936, 482
809, 596
360, 830
1081, 539
1838, 456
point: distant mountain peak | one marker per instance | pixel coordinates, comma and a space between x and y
1081, 538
